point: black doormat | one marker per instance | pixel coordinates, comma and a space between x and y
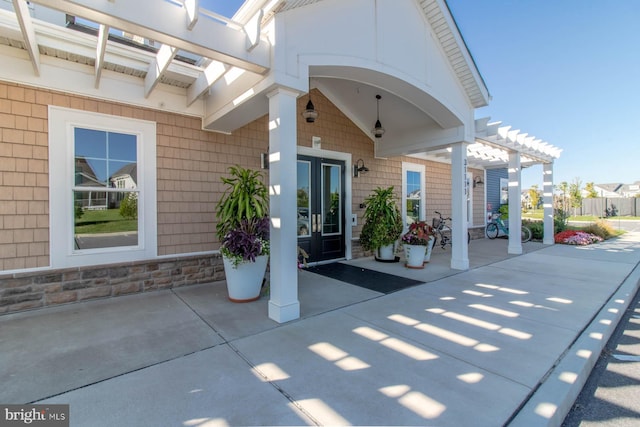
365, 278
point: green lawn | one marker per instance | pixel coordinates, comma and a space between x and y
105, 221
538, 214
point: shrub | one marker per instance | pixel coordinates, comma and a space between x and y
560, 220
600, 228
537, 229
504, 210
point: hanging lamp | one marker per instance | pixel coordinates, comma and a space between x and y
310, 114
378, 130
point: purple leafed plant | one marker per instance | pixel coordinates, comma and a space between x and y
247, 241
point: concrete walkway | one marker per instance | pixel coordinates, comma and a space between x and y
510, 341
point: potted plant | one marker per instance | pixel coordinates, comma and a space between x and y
383, 224
417, 241
243, 230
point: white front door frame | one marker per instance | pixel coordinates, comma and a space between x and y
348, 201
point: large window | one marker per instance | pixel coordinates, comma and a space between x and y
102, 188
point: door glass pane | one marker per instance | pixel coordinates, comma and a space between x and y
412, 207
304, 202
331, 199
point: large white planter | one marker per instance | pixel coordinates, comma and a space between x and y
427, 255
414, 255
244, 282
386, 253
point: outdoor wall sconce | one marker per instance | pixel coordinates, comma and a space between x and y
359, 167
378, 130
310, 114
477, 181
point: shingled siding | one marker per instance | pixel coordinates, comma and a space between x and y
23, 291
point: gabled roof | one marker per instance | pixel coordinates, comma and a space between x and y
446, 31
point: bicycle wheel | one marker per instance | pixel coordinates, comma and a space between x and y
492, 230
526, 234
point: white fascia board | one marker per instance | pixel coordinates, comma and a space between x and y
209, 39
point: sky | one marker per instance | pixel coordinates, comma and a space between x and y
564, 71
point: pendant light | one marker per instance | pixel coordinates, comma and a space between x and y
378, 130
310, 114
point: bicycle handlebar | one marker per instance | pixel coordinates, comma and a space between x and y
446, 219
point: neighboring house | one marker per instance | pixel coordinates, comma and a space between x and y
630, 190
170, 116
608, 190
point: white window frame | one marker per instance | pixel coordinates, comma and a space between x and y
470, 189
62, 122
413, 167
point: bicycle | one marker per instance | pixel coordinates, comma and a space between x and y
443, 231
496, 225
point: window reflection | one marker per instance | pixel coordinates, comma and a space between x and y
412, 208
105, 189
304, 202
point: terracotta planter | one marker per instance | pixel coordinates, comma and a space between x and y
414, 255
244, 282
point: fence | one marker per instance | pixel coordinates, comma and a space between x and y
619, 206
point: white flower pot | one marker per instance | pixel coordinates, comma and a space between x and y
386, 253
244, 282
414, 256
427, 255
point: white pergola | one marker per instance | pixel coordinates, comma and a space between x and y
499, 146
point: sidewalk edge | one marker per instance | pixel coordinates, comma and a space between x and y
553, 400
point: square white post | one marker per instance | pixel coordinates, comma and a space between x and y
515, 204
283, 305
459, 249
547, 202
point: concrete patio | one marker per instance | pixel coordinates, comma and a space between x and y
510, 341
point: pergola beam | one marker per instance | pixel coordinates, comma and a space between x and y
205, 80
28, 33
158, 67
103, 36
208, 39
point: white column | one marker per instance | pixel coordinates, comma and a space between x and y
547, 202
283, 305
459, 248
515, 204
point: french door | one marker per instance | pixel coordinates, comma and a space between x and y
321, 211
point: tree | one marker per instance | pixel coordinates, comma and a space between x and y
591, 191
129, 206
563, 187
534, 196
575, 194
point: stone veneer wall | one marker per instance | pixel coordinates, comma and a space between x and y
23, 291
